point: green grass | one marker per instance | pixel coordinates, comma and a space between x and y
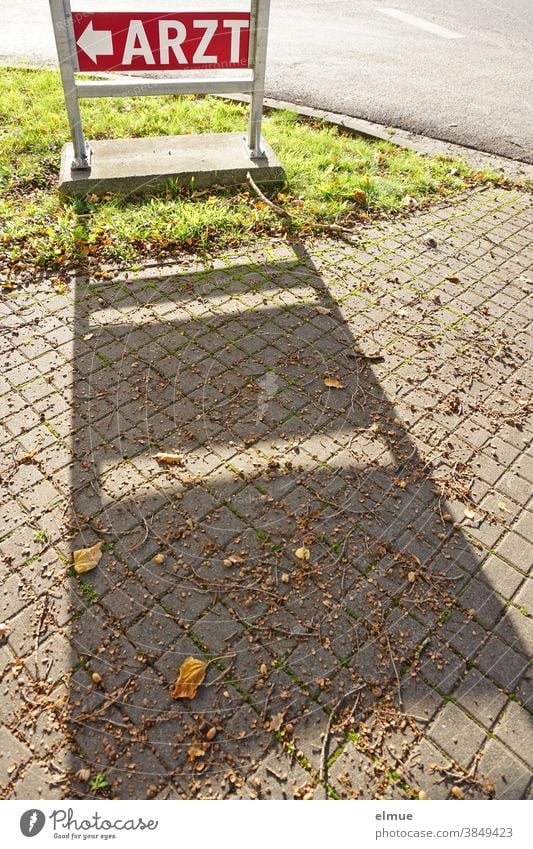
99, 782
90, 594
331, 177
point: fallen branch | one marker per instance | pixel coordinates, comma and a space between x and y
271, 205
323, 771
398, 683
334, 228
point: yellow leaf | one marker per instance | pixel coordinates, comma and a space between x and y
302, 553
191, 675
170, 459
333, 382
86, 559
503, 506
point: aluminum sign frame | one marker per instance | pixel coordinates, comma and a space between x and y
250, 81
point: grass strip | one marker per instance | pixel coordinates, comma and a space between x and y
332, 177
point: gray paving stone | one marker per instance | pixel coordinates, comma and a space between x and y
127, 601
513, 728
138, 774
517, 550
487, 605
502, 663
53, 659
523, 526
13, 755
146, 699
278, 777
456, 734
418, 699
463, 634
351, 774
218, 630
501, 577
517, 629
509, 776
154, 633
480, 698
36, 783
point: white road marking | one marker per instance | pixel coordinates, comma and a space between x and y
421, 23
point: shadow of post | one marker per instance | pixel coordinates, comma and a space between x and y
228, 368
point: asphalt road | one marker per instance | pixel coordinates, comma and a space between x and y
449, 69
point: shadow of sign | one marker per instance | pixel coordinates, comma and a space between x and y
300, 543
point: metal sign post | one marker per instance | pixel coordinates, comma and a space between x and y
93, 42
67, 55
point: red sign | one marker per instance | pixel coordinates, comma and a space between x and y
152, 41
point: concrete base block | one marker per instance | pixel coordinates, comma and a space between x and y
126, 166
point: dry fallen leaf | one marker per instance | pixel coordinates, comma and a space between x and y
4, 630
423, 795
86, 559
503, 506
333, 383
194, 752
411, 577
457, 793
211, 734
191, 674
285, 578
302, 553
159, 559
276, 722
83, 774
169, 459
236, 558
469, 514
96, 677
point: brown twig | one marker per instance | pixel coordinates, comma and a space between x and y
398, 683
334, 228
271, 205
323, 771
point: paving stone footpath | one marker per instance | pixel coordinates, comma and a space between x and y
366, 404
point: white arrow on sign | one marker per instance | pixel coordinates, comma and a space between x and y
96, 42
